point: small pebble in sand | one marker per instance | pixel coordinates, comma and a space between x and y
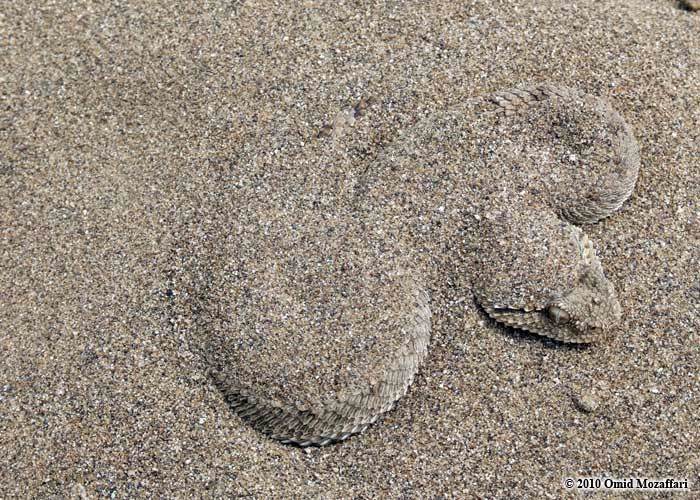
691, 5
586, 401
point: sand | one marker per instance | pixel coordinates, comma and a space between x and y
121, 129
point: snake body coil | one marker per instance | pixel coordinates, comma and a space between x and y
511, 229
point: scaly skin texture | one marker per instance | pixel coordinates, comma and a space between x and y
353, 410
533, 268
568, 297
573, 302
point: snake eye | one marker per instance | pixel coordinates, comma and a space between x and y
557, 314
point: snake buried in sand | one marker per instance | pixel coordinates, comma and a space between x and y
315, 328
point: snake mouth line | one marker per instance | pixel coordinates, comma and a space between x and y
516, 318
539, 323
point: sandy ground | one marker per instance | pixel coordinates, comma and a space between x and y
120, 128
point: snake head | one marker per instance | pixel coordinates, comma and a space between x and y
582, 315
544, 278
587, 311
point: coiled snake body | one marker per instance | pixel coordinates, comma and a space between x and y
529, 164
